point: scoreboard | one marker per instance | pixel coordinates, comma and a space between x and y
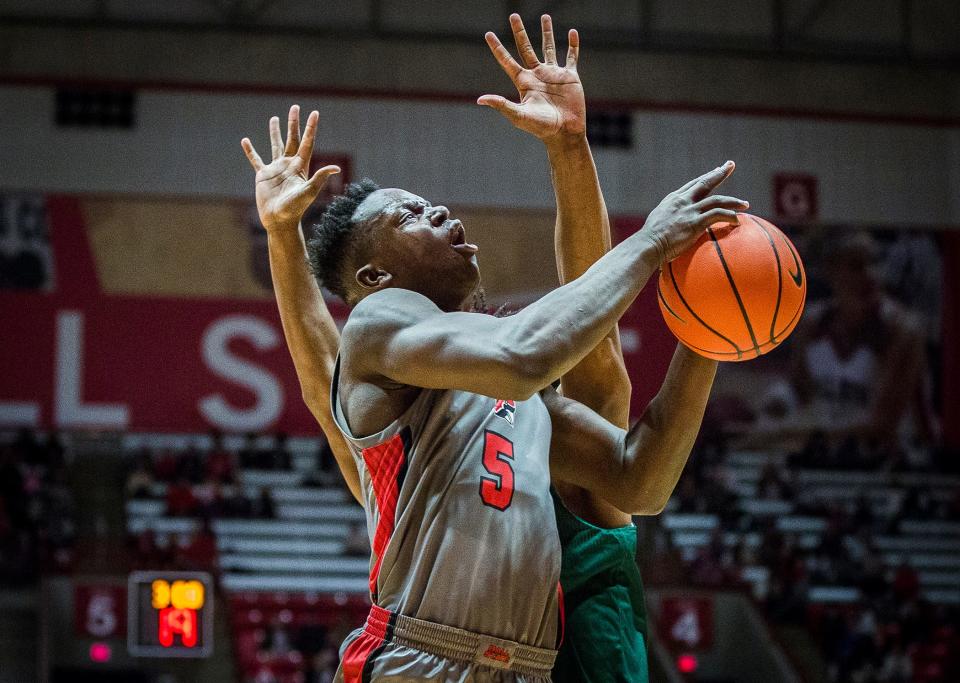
170, 614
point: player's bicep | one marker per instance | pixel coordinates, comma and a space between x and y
409, 341
585, 449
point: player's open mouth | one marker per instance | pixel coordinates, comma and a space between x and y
458, 240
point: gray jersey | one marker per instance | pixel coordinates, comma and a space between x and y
462, 525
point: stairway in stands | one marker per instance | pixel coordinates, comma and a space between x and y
932, 547
301, 550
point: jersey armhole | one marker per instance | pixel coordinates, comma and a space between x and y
404, 420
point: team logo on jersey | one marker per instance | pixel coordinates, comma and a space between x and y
505, 409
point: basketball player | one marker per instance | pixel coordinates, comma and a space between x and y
505, 481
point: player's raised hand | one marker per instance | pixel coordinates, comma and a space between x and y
551, 96
682, 216
283, 188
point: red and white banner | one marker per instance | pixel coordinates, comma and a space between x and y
76, 356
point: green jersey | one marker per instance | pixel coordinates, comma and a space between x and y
606, 617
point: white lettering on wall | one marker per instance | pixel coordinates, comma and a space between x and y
216, 354
69, 408
19, 414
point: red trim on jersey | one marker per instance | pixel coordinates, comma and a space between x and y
562, 614
356, 655
386, 462
362, 651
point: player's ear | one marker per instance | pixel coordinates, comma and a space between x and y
371, 278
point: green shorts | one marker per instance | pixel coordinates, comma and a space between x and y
605, 612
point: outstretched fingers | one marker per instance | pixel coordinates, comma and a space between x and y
524, 48
549, 46
573, 49
251, 153
503, 56
698, 188
719, 201
276, 141
319, 179
509, 109
305, 150
293, 131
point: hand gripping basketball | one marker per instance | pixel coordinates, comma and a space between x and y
683, 215
736, 293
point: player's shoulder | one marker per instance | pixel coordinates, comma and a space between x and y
387, 310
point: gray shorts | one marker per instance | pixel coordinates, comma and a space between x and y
392, 648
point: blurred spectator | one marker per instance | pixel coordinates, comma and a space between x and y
325, 471
264, 507
771, 486
234, 504
180, 499
190, 465
277, 640
140, 480
165, 466
906, 583
220, 464
209, 499
37, 516
249, 455
859, 358
322, 667
897, 666
28, 448
201, 551
278, 457
146, 550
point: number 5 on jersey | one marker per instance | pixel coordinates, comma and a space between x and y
497, 490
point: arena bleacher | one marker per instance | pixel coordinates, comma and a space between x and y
844, 552
803, 541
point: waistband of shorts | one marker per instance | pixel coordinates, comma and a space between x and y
457, 644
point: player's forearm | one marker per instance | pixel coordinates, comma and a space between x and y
556, 332
582, 233
581, 237
658, 446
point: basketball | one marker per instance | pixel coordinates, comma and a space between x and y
737, 293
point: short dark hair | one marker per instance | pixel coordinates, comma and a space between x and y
334, 239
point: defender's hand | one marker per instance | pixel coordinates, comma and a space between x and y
683, 215
284, 191
551, 96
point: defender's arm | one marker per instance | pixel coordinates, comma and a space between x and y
312, 339
635, 470
582, 237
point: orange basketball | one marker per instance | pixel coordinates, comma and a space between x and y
735, 294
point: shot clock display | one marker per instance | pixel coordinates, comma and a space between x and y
170, 614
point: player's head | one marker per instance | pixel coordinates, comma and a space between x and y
852, 274
370, 239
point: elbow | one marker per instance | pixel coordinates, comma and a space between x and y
644, 502
650, 508
525, 372
318, 403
